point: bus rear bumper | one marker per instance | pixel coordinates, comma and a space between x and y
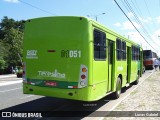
149, 67
82, 94
89, 93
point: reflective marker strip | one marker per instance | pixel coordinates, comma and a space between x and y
72, 86
32, 83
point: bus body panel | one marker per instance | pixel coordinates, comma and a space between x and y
121, 69
134, 71
52, 56
149, 57
59, 59
55, 50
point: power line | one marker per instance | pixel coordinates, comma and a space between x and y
142, 25
37, 7
137, 8
133, 24
140, 13
150, 13
137, 19
147, 7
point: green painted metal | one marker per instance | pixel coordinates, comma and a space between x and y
55, 50
59, 84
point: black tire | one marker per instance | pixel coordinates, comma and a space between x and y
144, 69
117, 93
152, 67
137, 81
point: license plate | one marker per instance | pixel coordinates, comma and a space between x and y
50, 83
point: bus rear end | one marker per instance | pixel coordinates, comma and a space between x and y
56, 57
148, 59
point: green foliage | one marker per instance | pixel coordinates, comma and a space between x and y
11, 40
2, 66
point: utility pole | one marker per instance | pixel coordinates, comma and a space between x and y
96, 16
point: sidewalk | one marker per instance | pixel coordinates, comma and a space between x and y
9, 79
142, 104
7, 76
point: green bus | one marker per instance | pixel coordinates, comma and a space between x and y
77, 58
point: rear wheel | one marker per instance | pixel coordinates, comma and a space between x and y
144, 69
137, 81
118, 88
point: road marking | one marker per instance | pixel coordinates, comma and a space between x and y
10, 90
27, 96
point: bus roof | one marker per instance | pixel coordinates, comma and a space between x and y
112, 32
97, 24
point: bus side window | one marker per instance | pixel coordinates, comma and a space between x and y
118, 47
135, 53
99, 45
123, 50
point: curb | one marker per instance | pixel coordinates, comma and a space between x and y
102, 118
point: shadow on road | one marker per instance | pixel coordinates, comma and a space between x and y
55, 107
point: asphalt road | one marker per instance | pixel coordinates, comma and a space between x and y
12, 99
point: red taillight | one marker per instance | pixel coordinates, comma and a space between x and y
75, 86
72, 86
83, 76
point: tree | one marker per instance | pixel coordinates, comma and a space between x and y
3, 65
11, 40
14, 39
6, 25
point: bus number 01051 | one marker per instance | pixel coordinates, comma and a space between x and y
71, 53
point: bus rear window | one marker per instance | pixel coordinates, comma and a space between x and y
147, 54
